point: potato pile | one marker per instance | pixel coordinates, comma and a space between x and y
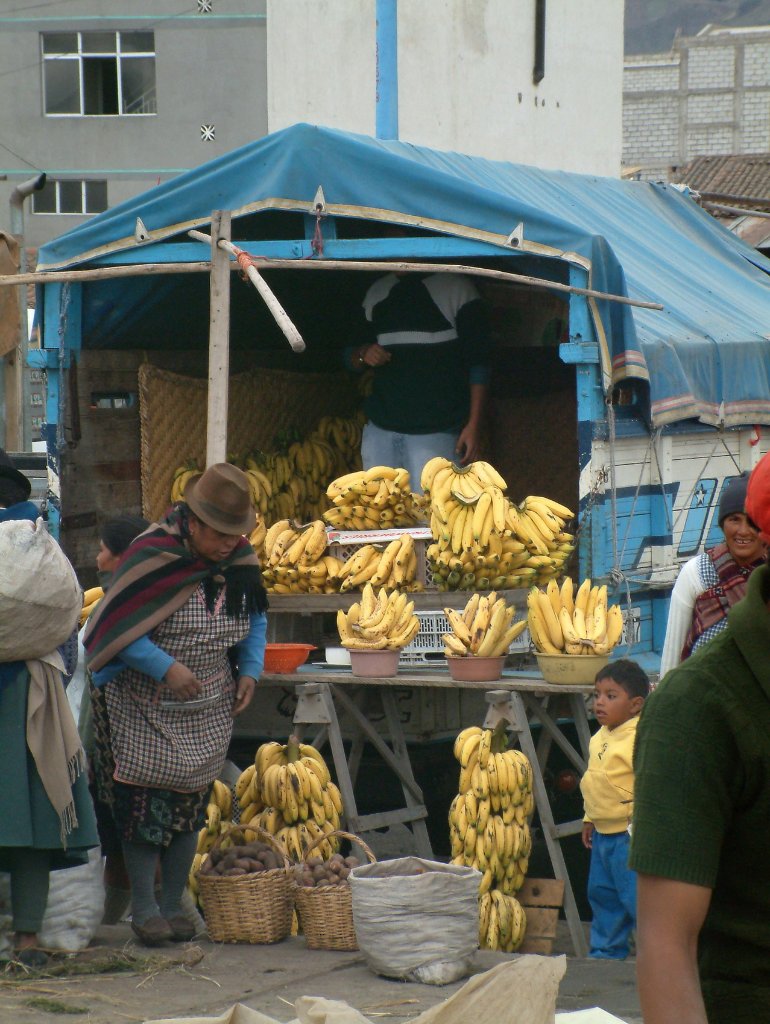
241, 860
317, 873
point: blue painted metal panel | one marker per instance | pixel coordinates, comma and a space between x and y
697, 517
386, 97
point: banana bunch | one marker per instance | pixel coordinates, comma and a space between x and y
488, 819
182, 476
300, 468
379, 498
344, 438
257, 537
260, 485
378, 622
91, 598
484, 541
502, 921
219, 813
482, 629
393, 566
294, 559
563, 621
539, 523
288, 792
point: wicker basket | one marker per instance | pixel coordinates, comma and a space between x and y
254, 908
326, 913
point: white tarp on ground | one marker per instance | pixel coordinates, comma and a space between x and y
520, 991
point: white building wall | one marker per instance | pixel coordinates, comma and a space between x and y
464, 76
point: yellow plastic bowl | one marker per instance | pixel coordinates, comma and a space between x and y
571, 669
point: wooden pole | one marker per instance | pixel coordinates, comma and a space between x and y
219, 341
156, 269
244, 262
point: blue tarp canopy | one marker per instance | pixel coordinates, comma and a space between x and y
705, 355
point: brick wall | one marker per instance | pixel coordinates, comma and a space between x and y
710, 96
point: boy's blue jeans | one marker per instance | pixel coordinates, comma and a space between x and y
612, 895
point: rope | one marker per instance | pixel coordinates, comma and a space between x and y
317, 241
616, 575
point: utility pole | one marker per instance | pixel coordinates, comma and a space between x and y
17, 380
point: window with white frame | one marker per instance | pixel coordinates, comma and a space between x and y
70, 195
98, 73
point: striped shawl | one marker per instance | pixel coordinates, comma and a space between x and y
156, 575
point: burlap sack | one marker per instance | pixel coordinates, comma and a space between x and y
40, 597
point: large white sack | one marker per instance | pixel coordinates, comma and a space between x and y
74, 909
416, 919
40, 597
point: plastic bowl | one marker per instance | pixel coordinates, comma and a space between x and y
374, 663
572, 669
337, 656
284, 658
476, 670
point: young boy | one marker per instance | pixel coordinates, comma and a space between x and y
608, 795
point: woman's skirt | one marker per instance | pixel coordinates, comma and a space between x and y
27, 817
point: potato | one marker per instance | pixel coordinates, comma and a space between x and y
352, 862
233, 872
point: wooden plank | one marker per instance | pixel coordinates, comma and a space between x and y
541, 921
541, 892
219, 341
429, 678
543, 947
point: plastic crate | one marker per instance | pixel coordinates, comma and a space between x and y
343, 544
428, 646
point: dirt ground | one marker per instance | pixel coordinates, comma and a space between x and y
124, 982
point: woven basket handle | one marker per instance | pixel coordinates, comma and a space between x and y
345, 835
261, 833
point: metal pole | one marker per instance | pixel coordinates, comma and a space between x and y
16, 204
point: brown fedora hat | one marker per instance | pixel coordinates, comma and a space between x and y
221, 498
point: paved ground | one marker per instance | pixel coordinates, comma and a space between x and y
205, 979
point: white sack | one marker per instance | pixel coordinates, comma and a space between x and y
74, 909
519, 991
416, 919
75, 905
40, 597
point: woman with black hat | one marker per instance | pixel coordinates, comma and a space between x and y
178, 643
713, 581
15, 490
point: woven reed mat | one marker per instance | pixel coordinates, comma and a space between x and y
173, 410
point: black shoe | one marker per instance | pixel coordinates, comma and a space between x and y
182, 929
154, 932
32, 957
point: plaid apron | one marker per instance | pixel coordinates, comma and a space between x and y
159, 740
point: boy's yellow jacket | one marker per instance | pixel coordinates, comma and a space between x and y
608, 784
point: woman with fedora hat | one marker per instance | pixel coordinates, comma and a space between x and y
178, 644
15, 490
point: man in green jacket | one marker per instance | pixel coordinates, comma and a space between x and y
701, 813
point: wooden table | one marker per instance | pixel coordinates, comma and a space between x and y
518, 699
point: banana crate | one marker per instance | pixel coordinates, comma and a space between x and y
428, 646
344, 543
